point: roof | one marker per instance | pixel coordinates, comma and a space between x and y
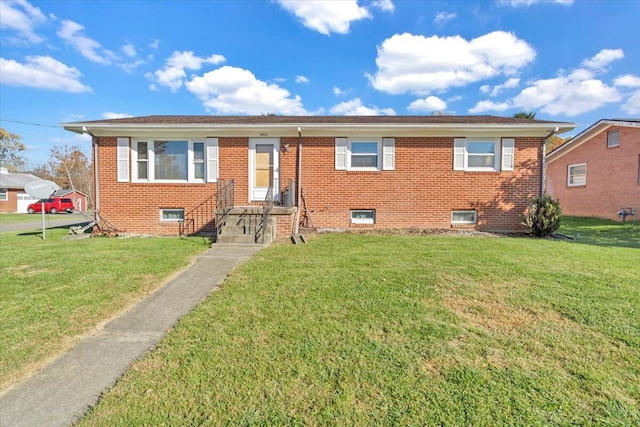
15, 180
311, 125
589, 133
62, 193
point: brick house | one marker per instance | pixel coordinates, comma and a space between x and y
13, 198
155, 174
598, 172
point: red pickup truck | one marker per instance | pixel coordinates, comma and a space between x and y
53, 205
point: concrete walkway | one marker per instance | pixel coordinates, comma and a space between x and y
63, 391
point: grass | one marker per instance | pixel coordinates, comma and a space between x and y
53, 291
602, 232
12, 218
401, 330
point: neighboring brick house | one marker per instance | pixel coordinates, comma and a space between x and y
13, 198
598, 172
373, 171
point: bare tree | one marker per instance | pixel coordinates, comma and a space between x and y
69, 167
11, 149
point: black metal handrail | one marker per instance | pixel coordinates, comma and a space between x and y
267, 206
209, 214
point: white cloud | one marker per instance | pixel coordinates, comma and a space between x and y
155, 44
509, 84
416, 64
326, 17
71, 33
42, 72
232, 90
573, 94
173, 74
354, 107
22, 17
337, 91
603, 58
444, 17
302, 79
484, 106
527, 3
130, 67
129, 50
428, 104
632, 106
110, 115
384, 5
628, 80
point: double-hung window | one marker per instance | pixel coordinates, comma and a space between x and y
365, 154
483, 154
577, 175
179, 160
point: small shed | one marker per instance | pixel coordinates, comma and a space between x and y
78, 197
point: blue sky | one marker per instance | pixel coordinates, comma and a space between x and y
66, 60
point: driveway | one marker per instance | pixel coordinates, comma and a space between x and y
50, 221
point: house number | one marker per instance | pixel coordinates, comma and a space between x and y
264, 134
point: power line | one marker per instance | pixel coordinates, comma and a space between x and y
29, 123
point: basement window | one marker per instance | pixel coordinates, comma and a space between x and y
464, 217
367, 216
171, 215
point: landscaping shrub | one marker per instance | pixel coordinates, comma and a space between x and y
543, 216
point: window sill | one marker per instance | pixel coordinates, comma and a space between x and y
363, 172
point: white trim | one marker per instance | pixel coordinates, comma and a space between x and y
4, 194
388, 154
212, 162
190, 160
122, 160
341, 154
258, 194
473, 221
580, 184
461, 154
378, 153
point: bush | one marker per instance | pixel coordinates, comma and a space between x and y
543, 216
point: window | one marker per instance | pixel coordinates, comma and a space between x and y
365, 154
363, 216
4, 195
171, 215
613, 138
463, 217
483, 154
577, 175
175, 160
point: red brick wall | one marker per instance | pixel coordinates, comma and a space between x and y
11, 204
420, 192
612, 176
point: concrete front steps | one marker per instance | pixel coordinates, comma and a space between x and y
242, 225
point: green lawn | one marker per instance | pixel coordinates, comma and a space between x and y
53, 291
602, 232
402, 330
11, 218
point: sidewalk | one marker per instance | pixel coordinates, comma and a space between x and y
63, 391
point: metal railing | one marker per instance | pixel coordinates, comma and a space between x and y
208, 216
267, 206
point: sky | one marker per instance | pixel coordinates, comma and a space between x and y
65, 60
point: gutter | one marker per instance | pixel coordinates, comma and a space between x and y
96, 188
543, 179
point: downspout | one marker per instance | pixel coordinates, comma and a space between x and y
296, 226
543, 179
96, 185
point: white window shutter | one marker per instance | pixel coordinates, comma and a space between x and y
459, 145
212, 159
341, 153
388, 154
123, 159
508, 152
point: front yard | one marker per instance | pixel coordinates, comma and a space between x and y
402, 330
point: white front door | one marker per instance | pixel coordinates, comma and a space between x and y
264, 168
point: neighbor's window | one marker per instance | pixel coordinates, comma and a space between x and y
4, 195
463, 217
364, 154
577, 175
171, 215
613, 138
367, 216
